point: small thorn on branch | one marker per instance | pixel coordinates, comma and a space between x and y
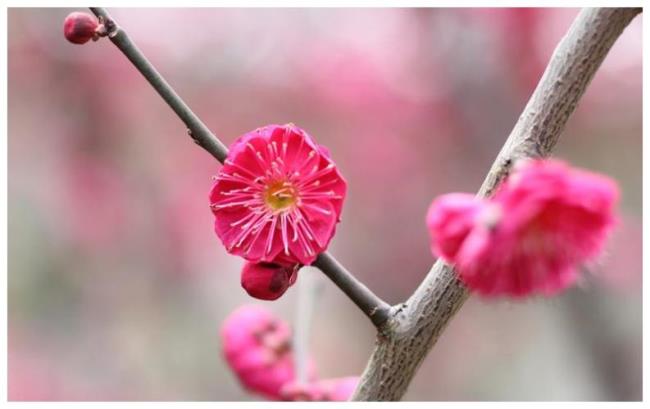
196, 140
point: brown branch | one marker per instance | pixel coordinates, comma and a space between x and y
197, 129
413, 328
371, 305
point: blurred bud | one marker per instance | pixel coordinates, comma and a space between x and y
299, 391
79, 27
267, 281
338, 389
257, 347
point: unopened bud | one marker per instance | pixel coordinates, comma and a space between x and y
267, 281
79, 27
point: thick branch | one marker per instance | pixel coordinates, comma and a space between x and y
414, 327
370, 304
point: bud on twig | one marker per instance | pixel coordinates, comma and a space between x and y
79, 27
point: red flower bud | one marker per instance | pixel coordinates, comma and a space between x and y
79, 27
267, 281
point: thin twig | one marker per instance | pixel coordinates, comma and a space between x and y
370, 304
197, 129
374, 307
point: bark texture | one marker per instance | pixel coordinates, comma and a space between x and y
413, 327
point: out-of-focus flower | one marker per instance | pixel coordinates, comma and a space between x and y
450, 219
531, 236
278, 197
79, 27
337, 389
340, 389
257, 346
267, 281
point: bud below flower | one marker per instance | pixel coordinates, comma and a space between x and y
267, 281
79, 27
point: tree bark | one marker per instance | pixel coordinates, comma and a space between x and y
414, 326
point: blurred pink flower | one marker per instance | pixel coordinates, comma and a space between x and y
278, 197
543, 221
338, 389
450, 219
267, 281
257, 346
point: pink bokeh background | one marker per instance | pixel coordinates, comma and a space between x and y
118, 284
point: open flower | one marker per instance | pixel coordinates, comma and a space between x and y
257, 346
542, 223
278, 197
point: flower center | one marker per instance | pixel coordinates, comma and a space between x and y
280, 195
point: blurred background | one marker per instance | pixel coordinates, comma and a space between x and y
118, 284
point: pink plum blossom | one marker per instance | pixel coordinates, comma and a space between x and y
267, 281
257, 346
278, 197
542, 223
450, 218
